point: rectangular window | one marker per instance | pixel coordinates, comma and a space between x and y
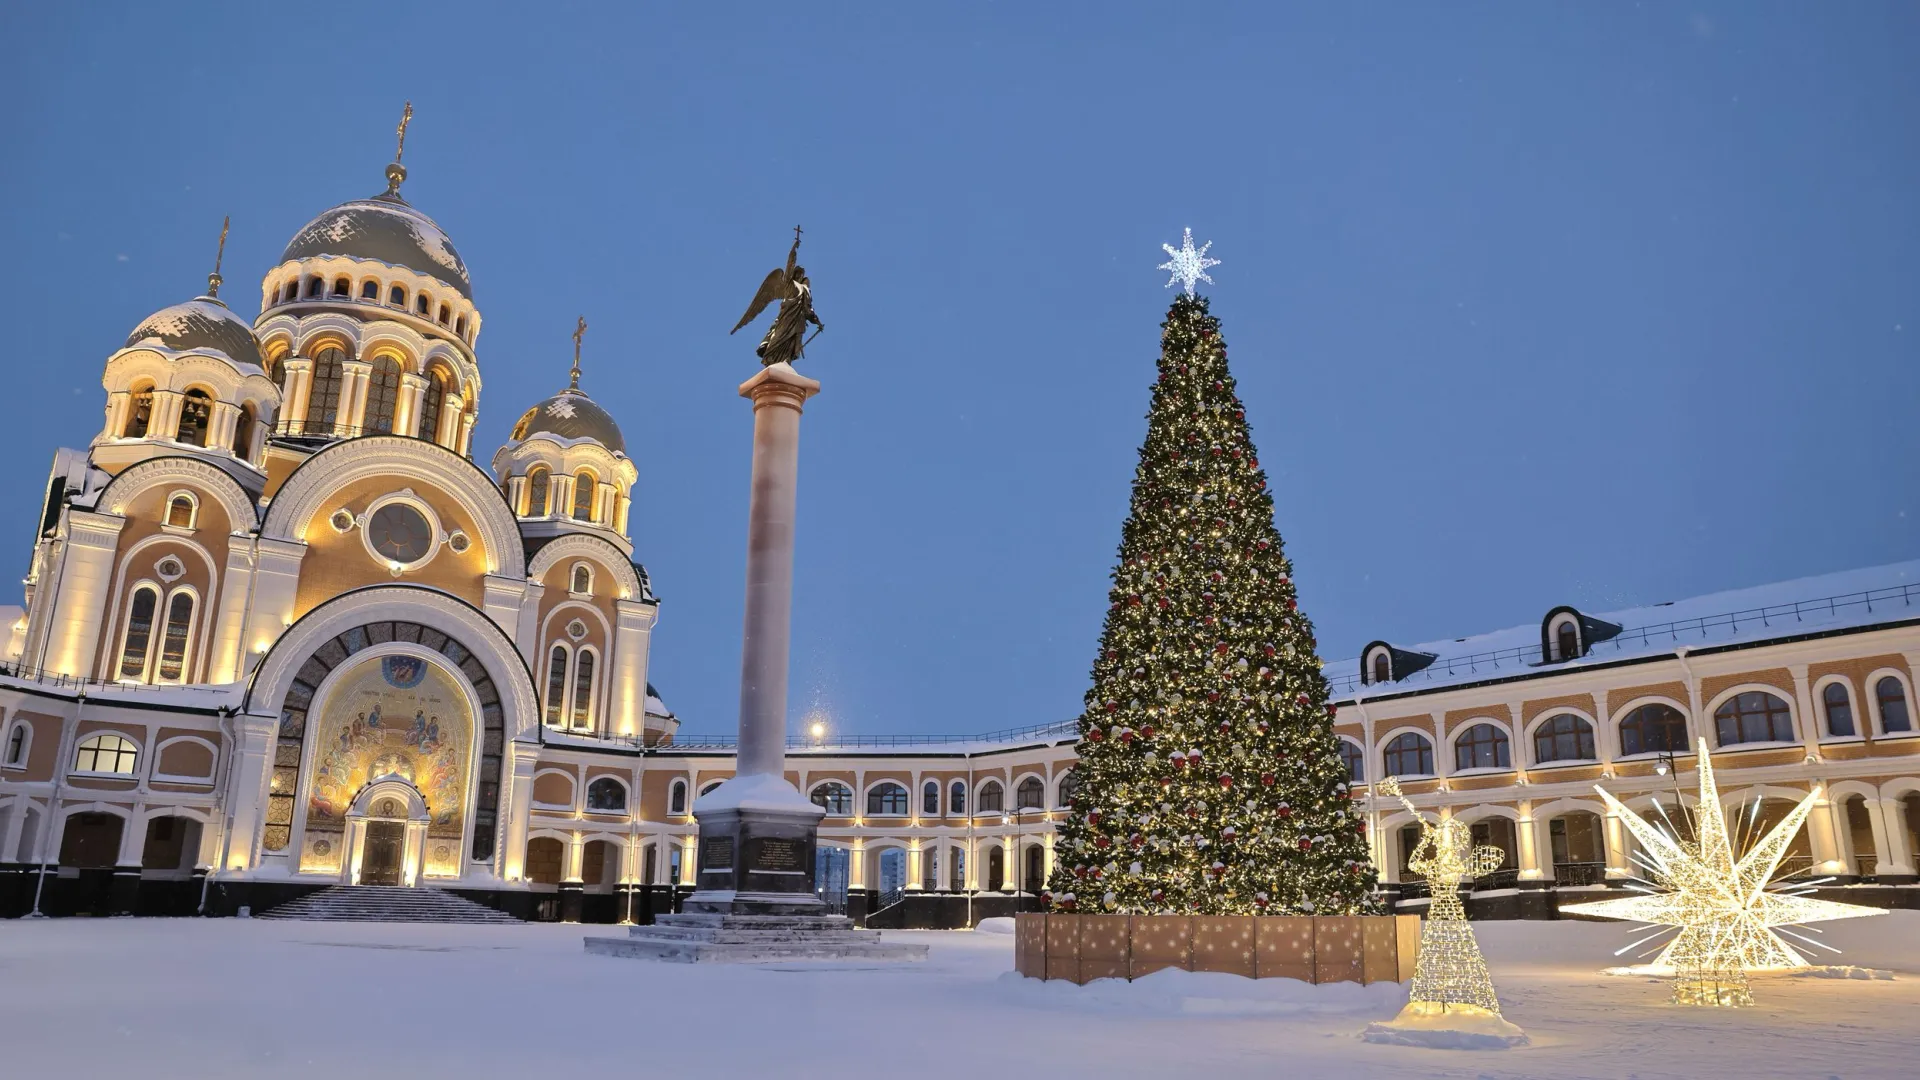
557, 685
173, 645
583, 690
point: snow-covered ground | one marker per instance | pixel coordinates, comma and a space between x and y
248, 999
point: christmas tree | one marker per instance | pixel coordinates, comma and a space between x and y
1210, 780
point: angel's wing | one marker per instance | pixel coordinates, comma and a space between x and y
776, 287
1486, 860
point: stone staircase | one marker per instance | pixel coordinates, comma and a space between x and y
386, 903
753, 939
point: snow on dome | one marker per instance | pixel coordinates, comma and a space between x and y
385, 229
203, 325
571, 415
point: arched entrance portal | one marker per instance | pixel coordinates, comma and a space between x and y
386, 833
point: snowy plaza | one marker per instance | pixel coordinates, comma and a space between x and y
223, 999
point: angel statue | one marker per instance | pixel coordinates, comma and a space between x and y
1451, 987
786, 339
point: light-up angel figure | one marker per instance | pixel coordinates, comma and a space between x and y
1451, 991
1721, 906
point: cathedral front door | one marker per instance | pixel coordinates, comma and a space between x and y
380, 858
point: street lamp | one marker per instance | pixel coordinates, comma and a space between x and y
818, 731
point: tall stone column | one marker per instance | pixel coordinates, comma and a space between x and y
757, 831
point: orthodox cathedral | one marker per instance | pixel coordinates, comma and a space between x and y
281, 625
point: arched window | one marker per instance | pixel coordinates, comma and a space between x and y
1382, 667
173, 642
1891, 696
446, 314
180, 511
584, 489
834, 797
1563, 738
460, 327
383, 395
583, 689
1356, 761
139, 414
1839, 708
1030, 795
397, 296
537, 492
557, 684
677, 798
1409, 754
957, 798
422, 304
369, 290
106, 753
277, 372
323, 398
930, 798
1753, 716
342, 287
1482, 746
887, 798
1069, 787
993, 798
196, 412
291, 292
1566, 640
17, 744
1654, 728
432, 401
582, 578
996, 868
243, 432
315, 287
138, 641
607, 795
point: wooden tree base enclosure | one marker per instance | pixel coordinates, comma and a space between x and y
1348, 948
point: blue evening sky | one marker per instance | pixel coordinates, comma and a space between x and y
1530, 303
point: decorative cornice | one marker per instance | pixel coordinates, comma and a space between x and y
579, 545
242, 515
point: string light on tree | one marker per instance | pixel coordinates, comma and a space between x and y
1452, 993
1722, 908
1210, 781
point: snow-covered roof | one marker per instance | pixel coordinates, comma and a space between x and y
386, 229
1844, 600
201, 325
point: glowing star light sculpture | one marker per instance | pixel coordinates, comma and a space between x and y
1721, 906
1452, 1002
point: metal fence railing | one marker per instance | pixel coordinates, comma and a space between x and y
62, 681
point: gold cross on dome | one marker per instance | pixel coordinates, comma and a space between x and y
214, 279
406, 117
579, 331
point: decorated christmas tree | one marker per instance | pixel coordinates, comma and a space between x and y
1209, 781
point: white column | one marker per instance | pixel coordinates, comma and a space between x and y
1823, 835
1896, 849
227, 663
450, 410
632, 641
505, 602
778, 394
252, 766
622, 509
1803, 705
466, 433
1526, 837
351, 420
220, 426
1619, 862
297, 394
406, 416
86, 581
117, 405
519, 766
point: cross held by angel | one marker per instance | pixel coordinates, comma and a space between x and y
786, 340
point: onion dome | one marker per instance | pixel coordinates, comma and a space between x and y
201, 325
386, 229
571, 415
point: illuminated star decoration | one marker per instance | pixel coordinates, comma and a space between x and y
1722, 908
1188, 265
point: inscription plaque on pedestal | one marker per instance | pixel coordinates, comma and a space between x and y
777, 854
716, 853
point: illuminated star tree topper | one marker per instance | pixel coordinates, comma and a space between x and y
1188, 265
1721, 906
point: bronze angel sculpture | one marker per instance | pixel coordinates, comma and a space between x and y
786, 339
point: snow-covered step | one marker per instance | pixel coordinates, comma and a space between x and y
753, 939
386, 903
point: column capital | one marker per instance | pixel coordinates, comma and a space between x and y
779, 385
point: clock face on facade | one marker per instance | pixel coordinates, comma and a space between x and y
400, 533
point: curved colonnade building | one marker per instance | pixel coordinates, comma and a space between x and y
281, 633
